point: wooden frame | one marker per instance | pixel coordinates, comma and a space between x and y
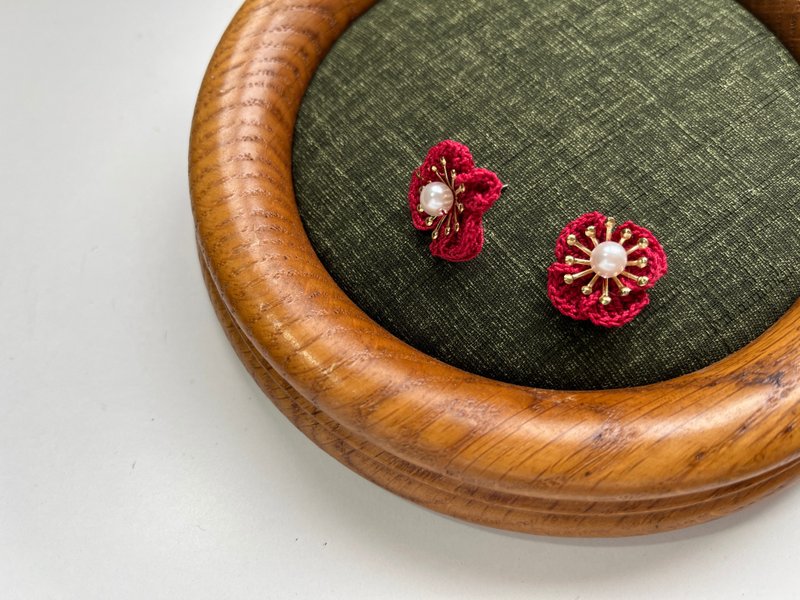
591, 463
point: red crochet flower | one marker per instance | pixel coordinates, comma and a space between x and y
627, 261
448, 196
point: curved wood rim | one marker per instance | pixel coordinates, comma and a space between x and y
485, 507
696, 439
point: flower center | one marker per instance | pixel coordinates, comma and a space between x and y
609, 259
436, 199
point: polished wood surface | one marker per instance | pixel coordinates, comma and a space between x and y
782, 17
614, 462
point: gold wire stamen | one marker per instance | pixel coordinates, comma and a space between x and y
454, 217
640, 245
611, 222
570, 278
587, 289
435, 234
572, 240
623, 289
605, 299
640, 280
591, 233
640, 262
448, 218
574, 260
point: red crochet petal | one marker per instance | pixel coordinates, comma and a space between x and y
578, 227
482, 188
457, 155
656, 257
417, 218
464, 245
622, 310
568, 299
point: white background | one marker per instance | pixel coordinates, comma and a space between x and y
137, 457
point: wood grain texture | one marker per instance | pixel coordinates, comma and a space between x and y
614, 462
782, 17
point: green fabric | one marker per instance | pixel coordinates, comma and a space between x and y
681, 116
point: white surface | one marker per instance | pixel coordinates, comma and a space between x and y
137, 457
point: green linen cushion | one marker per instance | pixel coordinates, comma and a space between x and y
680, 116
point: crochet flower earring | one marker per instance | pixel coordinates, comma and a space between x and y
448, 196
604, 271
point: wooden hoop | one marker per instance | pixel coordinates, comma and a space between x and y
612, 462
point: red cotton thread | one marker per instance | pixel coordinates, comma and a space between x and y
580, 286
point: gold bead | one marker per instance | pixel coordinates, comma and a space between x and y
627, 234
447, 231
605, 300
625, 291
643, 262
571, 239
429, 221
434, 169
611, 221
569, 260
644, 243
435, 235
590, 231
642, 281
568, 279
586, 290
419, 208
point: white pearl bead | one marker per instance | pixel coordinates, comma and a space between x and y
436, 199
609, 259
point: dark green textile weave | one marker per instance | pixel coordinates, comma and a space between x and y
681, 116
